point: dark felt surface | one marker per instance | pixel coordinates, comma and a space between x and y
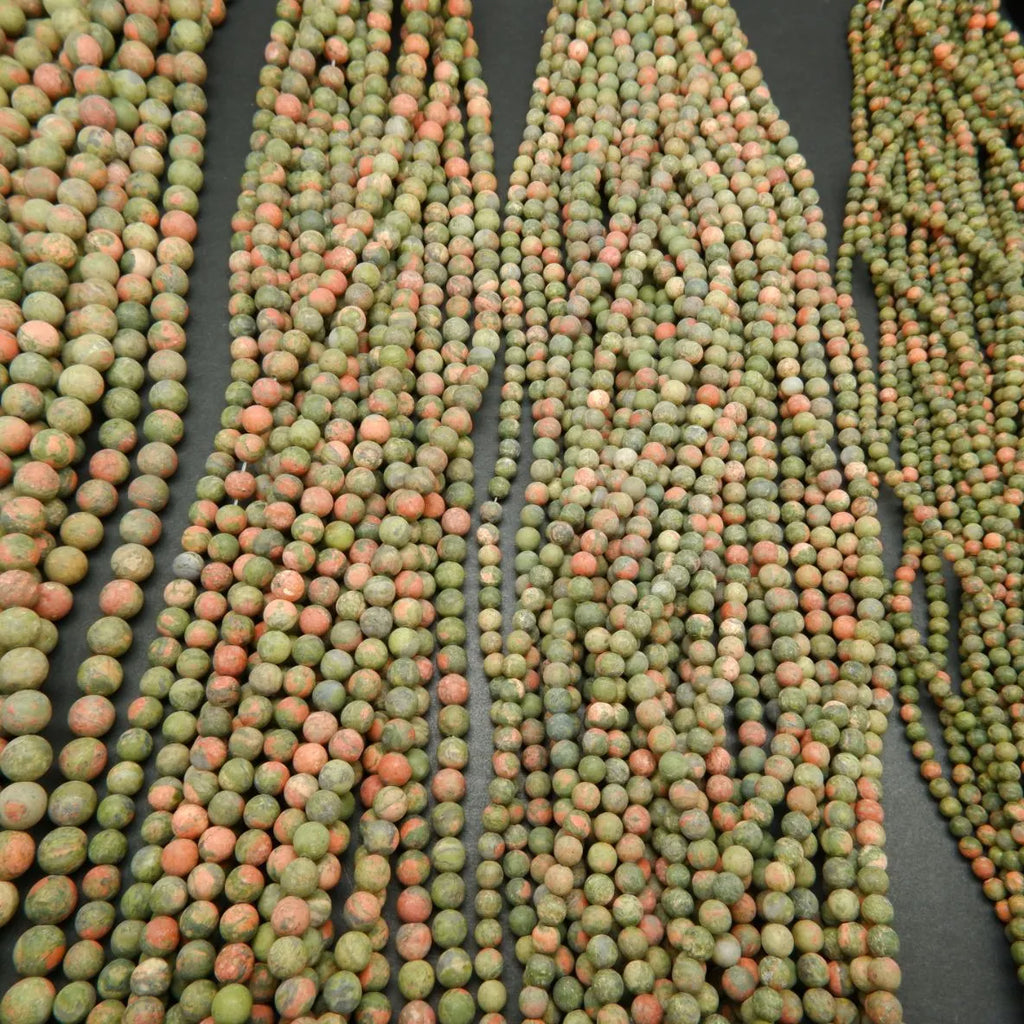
956, 965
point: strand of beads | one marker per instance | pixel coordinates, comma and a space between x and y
457, 360
389, 677
416, 461
598, 468
531, 242
937, 225
149, 906
829, 712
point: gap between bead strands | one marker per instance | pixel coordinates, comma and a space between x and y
245, 466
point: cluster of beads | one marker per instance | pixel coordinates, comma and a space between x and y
691, 692
690, 685
101, 149
933, 210
320, 589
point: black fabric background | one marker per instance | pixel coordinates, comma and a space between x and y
956, 964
